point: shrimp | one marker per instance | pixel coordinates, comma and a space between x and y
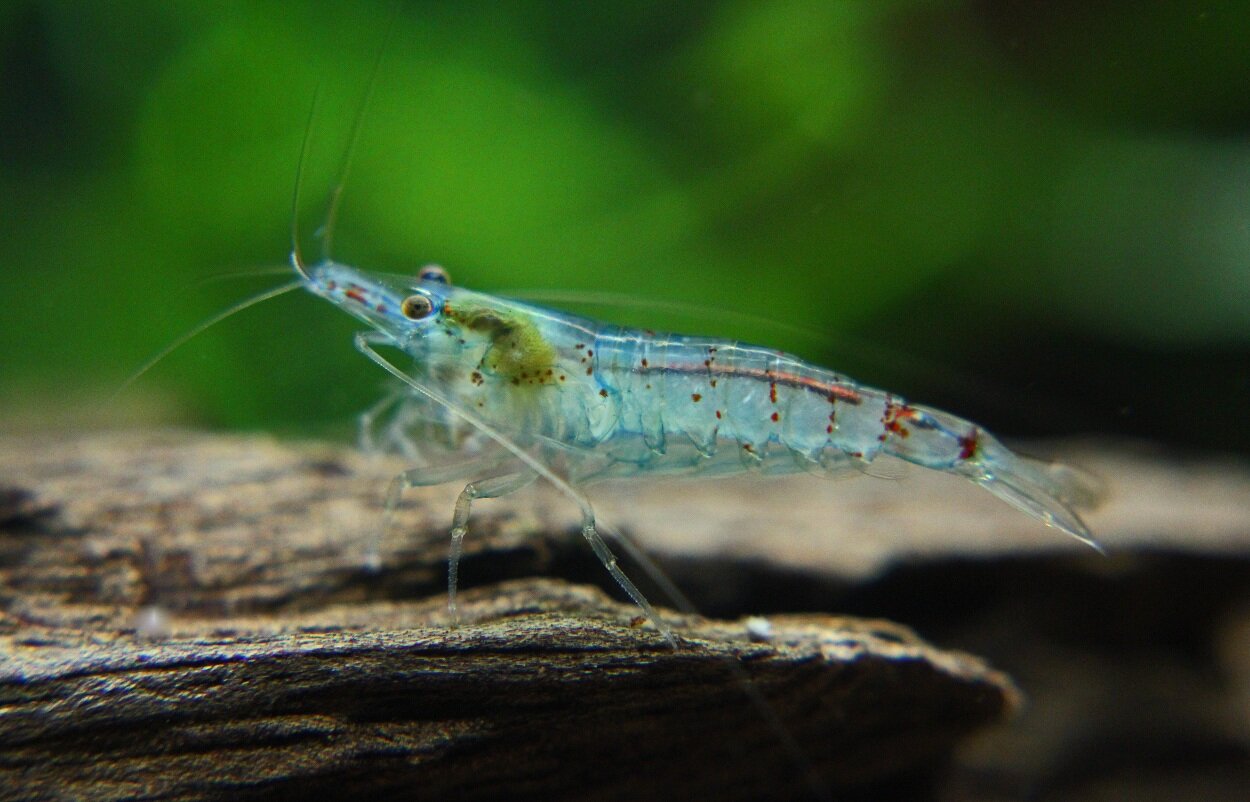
527, 393
575, 401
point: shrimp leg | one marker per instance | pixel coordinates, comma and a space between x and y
590, 531
492, 487
426, 476
387, 426
366, 436
365, 342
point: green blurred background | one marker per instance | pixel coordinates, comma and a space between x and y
1036, 214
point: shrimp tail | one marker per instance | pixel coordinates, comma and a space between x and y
1049, 492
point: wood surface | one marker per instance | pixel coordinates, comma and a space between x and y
190, 617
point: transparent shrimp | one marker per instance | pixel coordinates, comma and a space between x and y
524, 393
574, 401
542, 394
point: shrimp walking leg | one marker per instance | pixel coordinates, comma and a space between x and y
366, 425
493, 487
428, 476
597, 544
400, 424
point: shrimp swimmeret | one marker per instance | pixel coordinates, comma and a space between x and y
574, 401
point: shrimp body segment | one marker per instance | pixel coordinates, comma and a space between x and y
609, 401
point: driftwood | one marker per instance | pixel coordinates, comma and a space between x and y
187, 617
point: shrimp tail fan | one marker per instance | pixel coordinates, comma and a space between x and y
1049, 492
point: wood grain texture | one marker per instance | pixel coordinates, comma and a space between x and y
278, 667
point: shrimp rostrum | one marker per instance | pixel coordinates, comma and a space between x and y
573, 401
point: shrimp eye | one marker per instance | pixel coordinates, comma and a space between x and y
416, 307
434, 273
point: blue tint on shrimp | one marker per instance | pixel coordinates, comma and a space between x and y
575, 401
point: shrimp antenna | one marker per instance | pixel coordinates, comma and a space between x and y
233, 275
297, 258
199, 329
624, 300
336, 195
960, 383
